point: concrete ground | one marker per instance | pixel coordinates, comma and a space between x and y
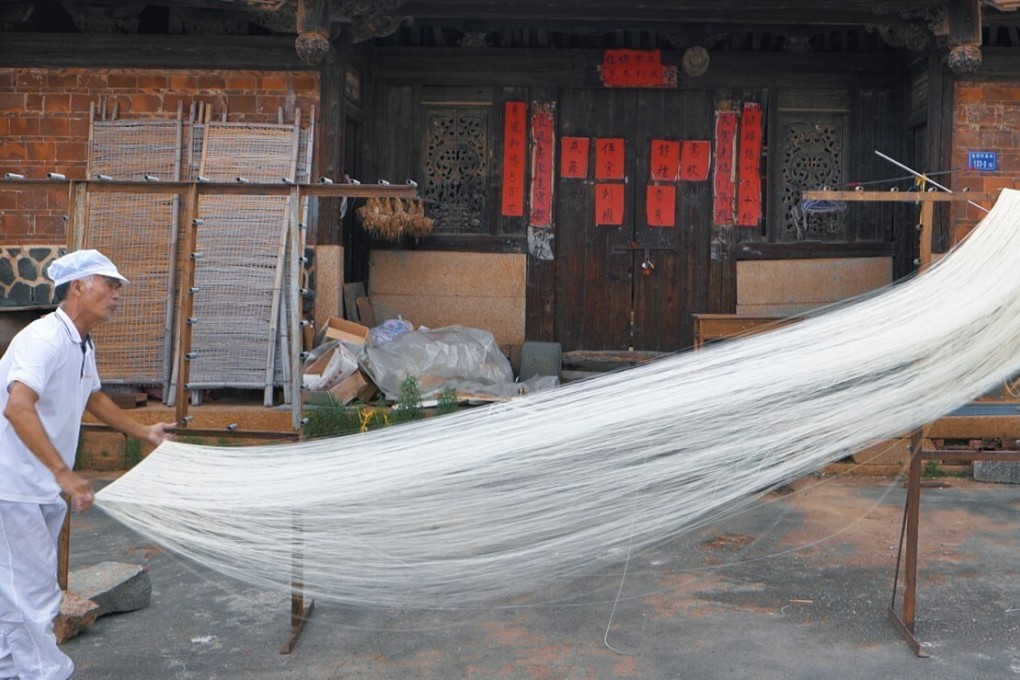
795, 587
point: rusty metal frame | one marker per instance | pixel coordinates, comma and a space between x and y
905, 621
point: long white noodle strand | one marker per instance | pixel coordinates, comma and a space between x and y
487, 503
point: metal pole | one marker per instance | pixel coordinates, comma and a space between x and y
925, 178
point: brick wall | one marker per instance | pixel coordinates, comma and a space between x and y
44, 123
986, 118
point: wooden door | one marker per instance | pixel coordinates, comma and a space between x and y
623, 287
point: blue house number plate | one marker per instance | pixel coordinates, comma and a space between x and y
983, 160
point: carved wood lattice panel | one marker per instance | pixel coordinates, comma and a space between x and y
812, 155
457, 168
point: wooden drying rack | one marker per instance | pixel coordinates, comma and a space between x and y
905, 620
190, 193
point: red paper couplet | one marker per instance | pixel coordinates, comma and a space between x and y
609, 163
748, 167
609, 205
665, 160
725, 133
542, 136
636, 68
514, 158
660, 205
574, 157
695, 159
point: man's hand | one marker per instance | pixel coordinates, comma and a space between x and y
158, 433
77, 487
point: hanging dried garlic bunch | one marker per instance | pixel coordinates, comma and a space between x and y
418, 225
389, 218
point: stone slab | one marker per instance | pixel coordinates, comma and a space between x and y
114, 586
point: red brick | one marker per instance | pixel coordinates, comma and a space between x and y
140, 103
183, 82
999, 92
9, 198
11, 150
269, 105
24, 126
67, 152
34, 200
240, 83
965, 138
273, 83
207, 83
996, 183
306, 82
241, 104
50, 227
17, 226
992, 140
1009, 161
61, 80
78, 127
57, 103
81, 103
122, 81
170, 102
12, 101
969, 93
95, 82
6, 80
151, 82
29, 81
5, 126
968, 181
39, 151
306, 105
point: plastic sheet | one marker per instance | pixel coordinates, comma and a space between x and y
466, 360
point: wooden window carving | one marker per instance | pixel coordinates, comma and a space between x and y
457, 168
811, 156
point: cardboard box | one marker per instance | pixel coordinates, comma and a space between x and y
332, 368
355, 386
345, 331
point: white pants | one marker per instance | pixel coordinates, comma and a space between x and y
29, 594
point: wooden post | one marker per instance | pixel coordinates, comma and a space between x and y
187, 300
64, 546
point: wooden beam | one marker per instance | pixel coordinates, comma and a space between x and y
228, 188
899, 196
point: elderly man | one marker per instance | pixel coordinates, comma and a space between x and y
49, 379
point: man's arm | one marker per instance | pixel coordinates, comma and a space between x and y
104, 408
23, 417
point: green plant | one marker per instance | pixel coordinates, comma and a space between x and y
931, 469
447, 402
408, 406
131, 455
330, 419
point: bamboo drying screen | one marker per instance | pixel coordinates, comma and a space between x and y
138, 232
241, 241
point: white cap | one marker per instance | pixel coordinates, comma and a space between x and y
82, 263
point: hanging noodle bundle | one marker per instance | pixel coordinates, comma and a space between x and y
490, 502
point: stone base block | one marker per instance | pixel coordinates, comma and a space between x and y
1006, 472
114, 586
77, 614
